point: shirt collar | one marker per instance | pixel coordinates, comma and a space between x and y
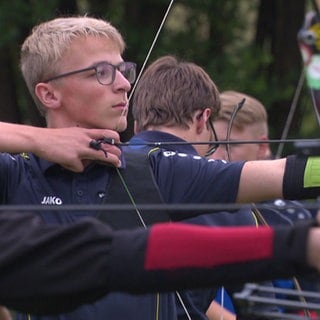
159, 136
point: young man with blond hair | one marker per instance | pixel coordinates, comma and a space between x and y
250, 122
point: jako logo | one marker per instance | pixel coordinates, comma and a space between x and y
51, 200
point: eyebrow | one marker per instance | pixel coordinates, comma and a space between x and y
100, 61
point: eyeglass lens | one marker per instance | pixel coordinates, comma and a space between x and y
106, 72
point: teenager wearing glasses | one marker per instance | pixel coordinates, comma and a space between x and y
74, 70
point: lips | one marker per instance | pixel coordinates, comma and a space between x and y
122, 108
122, 105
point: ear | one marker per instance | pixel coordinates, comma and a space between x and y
201, 119
135, 127
264, 152
47, 95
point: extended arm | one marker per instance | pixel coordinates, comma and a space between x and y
56, 268
68, 147
261, 180
292, 178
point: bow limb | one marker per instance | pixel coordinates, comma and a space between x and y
309, 45
291, 113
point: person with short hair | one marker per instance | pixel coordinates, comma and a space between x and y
249, 122
184, 113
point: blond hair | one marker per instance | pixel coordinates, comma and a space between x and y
252, 112
44, 48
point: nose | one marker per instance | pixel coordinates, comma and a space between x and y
121, 83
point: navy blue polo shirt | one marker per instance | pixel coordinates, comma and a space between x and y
26, 179
198, 301
182, 178
242, 217
185, 177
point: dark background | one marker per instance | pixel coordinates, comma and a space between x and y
246, 45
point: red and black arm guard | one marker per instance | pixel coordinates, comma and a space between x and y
177, 256
53, 269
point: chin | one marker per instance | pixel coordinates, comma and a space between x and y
121, 125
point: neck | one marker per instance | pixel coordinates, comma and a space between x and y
178, 132
186, 134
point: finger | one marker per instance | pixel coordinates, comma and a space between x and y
101, 134
104, 156
111, 149
113, 160
75, 166
112, 135
105, 147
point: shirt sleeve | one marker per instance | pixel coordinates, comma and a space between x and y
53, 269
201, 184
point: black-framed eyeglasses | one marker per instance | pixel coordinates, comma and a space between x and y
212, 146
105, 72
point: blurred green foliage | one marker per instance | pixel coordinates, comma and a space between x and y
219, 35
